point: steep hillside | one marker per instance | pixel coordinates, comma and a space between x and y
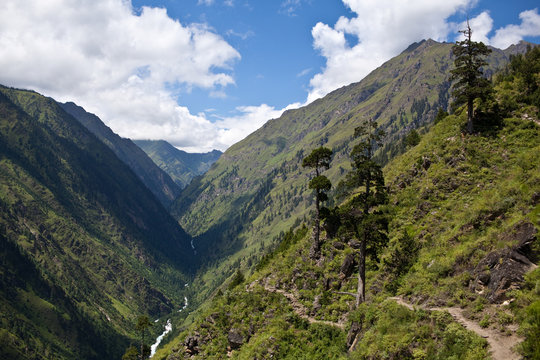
180, 165
458, 277
152, 176
85, 245
257, 188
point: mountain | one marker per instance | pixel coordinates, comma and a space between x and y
180, 165
85, 246
257, 189
153, 177
455, 280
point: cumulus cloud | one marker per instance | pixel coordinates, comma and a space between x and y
512, 34
381, 29
125, 67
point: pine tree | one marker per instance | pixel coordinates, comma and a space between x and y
319, 159
362, 214
469, 81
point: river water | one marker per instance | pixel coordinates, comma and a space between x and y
168, 328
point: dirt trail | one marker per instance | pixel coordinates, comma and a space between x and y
301, 310
501, 345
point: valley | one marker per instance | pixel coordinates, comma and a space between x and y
101, 235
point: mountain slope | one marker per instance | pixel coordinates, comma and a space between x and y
257, 189
463, 239
180, 165
154, 178
99, 247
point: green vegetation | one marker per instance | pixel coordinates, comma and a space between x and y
455, 201
155, 179
257, 189
85, 246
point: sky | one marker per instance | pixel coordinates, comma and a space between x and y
204, 74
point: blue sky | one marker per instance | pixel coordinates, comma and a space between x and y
203, 74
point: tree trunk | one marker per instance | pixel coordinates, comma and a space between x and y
470, 112
315, 250
361, 290
142, 346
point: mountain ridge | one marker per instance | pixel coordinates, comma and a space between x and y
101, 247
154, 178
181, 166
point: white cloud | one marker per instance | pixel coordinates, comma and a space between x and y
122, 66
205, 2
234, 128
304, 72
512, 34
289, 7
241, 35
382, 29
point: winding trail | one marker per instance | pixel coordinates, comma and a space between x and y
301, 310
501, 345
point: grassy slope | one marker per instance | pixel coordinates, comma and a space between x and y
258, 189
102, 248
476, 190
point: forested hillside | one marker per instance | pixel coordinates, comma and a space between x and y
86, 247
155, 179
456, 277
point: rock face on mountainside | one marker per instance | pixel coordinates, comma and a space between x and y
503, 270
155, 179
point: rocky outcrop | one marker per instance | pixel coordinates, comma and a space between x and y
235, 339
347, 266
503, 270
191, 345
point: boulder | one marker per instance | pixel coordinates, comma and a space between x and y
347, 266
503, 270
235, 339
426, 162
191, 345
355, 244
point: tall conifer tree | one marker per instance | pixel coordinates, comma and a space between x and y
319, 159
364, 217
469, 81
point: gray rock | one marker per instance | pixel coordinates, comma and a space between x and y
347, 266
235, 339
503, 270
